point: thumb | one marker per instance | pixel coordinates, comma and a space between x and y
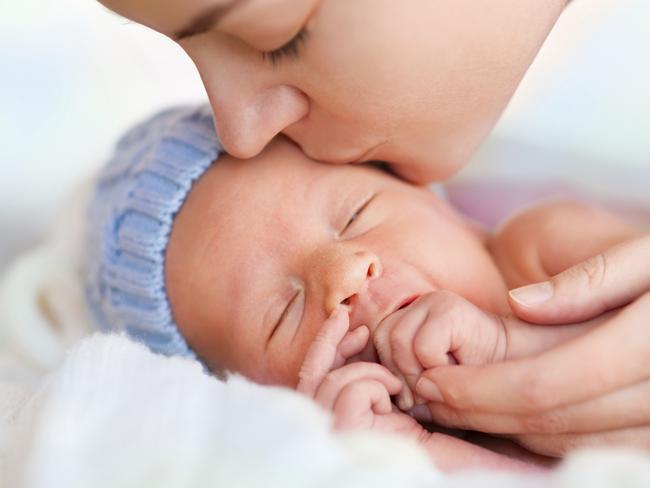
606, 281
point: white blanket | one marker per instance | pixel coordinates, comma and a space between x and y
109, 413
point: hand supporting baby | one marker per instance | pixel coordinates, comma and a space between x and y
437, 329
591, 391
359, 396
441, 328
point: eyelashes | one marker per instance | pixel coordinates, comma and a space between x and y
283, 316
290, 50
291, 303
357, 213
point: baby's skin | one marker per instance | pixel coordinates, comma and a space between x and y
265, 250
359, 396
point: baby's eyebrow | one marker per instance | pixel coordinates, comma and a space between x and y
207, 19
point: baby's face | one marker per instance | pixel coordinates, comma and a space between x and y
264, 249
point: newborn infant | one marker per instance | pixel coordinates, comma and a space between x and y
264, 250
257, 254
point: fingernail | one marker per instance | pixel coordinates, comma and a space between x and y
429, 390
405, 400
532, 295
421, 413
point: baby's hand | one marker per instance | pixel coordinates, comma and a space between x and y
437, 329
359, 396
442, 328
358, 393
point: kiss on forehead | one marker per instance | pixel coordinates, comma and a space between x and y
266, 249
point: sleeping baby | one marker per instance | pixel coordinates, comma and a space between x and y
240, 263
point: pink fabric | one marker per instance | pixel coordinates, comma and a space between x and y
490, 202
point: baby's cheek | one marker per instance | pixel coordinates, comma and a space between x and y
281, 366
247, 359
477, 278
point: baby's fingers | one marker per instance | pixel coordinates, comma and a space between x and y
352, 344
458, 332
322, 354
437, 329
335, 382
393, 340
359, 402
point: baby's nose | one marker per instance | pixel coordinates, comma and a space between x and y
347, 277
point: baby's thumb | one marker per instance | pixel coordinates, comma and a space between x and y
604, 282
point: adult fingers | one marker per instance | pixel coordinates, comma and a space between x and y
606, 281
560, 445
322, 354
558, 377
330, 388
619, 410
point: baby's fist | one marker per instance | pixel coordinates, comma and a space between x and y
437, 329
359, 393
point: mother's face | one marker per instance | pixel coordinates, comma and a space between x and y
416, 83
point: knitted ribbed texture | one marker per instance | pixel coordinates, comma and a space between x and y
137, 197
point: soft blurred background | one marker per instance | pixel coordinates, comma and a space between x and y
74, 76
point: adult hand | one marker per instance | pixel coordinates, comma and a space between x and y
592, 390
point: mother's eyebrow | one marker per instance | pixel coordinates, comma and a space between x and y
206, 19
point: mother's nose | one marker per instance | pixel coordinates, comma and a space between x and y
248, 116
343, 275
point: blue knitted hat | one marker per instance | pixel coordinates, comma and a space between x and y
137, 197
